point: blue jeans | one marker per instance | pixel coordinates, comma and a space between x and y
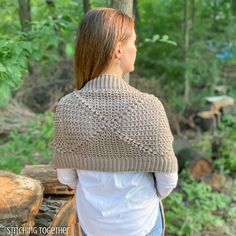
157, 230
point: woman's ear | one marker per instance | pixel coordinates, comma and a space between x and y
118, 50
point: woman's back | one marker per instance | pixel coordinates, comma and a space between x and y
121, 201
111, 139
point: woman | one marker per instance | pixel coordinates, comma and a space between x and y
112, 142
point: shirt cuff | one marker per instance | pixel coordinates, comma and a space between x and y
68, 177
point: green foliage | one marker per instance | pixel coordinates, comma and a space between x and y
213, 22
194, 208
14, 54
32, 146
51, 28
100, 3
227, 151
157, 38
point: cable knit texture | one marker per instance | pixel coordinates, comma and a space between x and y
108, 125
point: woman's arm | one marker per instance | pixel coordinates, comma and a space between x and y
68, 177
165, 183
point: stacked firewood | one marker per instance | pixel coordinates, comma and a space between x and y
35, 203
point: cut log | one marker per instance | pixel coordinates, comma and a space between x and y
57, 215
58, 209
66, 218
20, 199
196, 162
48, 177
218, 102
22, 204
216, 107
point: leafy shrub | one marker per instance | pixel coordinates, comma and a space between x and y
194, 208
32, 146
14, 54
226, 157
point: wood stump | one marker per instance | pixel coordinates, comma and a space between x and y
216, 107
208, 120
196, 162
219, 102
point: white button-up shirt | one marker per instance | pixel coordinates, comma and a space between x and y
118, 203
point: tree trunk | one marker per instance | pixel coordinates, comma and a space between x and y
214, 23
127, 7
186, 46
25, 15
25, 21
135, 10
193, 11
234, 7
124, 5
61, 44
87, 6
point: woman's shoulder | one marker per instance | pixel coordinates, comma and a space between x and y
133, 96
65, 98
151, 100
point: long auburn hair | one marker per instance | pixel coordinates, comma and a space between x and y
98, 34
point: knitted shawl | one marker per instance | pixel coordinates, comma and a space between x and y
108, 125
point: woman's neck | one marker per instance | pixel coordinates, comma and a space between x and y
113, 71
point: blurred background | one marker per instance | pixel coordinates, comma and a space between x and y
186, 57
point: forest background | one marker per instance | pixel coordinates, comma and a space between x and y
186, 52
